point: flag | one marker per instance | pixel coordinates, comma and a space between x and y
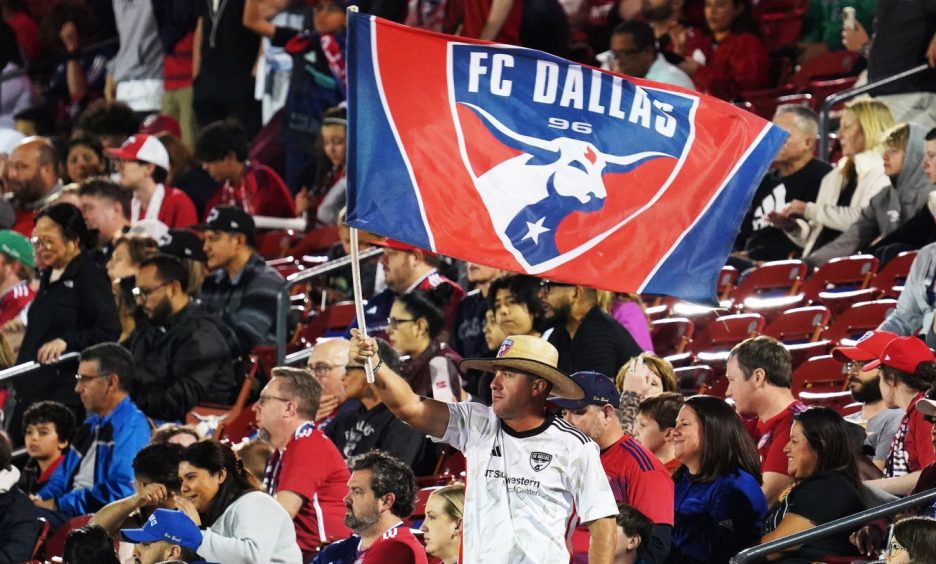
524, 161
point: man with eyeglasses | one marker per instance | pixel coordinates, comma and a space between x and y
634, 53
367, 424
880, 422
98, 467
184, 353
327, 362
306, 473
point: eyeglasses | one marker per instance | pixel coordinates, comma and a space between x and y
894, 547
38, 243
87, 378
548, 285
395, 323
321, 369
263, 399
141, 294
854, 366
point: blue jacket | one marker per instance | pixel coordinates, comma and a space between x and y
716, 520
120, 435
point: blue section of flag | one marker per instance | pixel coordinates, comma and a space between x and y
691, 271
394, 207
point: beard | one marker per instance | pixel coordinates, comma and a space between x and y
362, 521
868, 392
27, 191
560, 315
162, 312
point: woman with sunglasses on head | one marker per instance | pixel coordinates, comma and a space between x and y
414, 328
73, 309
827, 487
719, 505
240, 524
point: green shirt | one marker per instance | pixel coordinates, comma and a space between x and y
823, 22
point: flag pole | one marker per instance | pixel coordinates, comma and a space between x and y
358, 299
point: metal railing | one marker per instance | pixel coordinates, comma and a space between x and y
852, 522
283, 300
840, 97
27, 367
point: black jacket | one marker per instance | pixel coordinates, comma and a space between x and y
600, 344
19, 527
79, 308
183, 364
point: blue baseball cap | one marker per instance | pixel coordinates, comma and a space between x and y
599, 390
167, 525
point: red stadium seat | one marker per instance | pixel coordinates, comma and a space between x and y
841, 274
822, 89
802, 324
858, 319
55, 544
819, 374
726, 281
838, 302
419, 509
694, 379
336, 317
671, 335
726, 332
450, 467
219, 418
700, 315
771, 279
801, 352
825, 66
781, 30
890, 279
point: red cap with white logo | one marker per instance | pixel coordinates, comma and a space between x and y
142, 147
904, 354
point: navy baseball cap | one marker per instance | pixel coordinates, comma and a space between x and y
166, 525
599, 390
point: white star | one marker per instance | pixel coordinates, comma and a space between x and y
534, 230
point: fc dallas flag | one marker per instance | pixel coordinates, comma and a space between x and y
524, 161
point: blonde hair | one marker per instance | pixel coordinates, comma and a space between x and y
657, 365
874, 118
897, 136
454, 496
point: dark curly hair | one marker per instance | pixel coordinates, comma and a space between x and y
51, 412
390, 475
526, 291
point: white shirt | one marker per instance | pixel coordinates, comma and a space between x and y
663, 71
525, 491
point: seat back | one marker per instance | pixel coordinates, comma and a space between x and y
781, 277
727, 331
419, 508
824, 66
211, 420
843, 273
892, 276
726, 281
671, 335
333, 319
694, 379
55, 544
819, 374
802, 324
858, 319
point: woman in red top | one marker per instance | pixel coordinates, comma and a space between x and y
727, 56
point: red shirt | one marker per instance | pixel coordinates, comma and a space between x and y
476, 13
14, 300
311, 466
739, 62
397, 546
672, 466
25, 222
177, 210
637, 478
918, 442
262, 192
772, 435
177, 66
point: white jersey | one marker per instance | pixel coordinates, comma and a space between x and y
525, 491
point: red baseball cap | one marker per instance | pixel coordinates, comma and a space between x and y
142, 147
904, 354
154, 124
868, 347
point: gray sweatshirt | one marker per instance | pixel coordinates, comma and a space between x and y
253, 529
888, 210
140, 55
915, 306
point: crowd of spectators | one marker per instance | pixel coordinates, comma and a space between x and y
135, 176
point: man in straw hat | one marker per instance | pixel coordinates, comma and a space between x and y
532, 476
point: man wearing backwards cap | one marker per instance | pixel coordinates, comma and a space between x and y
242, 289
16, 269
531, 474
907, 371
143, 164
168, 535
637, 477
879, 421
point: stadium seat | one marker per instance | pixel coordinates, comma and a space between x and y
838, 302
334, 318
450, 467
858, 319
419, 509
825, 66
841, 274
726, 281
213, 420
890, 279
671, 335
727, 331
822, 89
55, 544
771, 279
694, 379
801, 352
700, 315
40, 538
802, 324
819, 374
781, 30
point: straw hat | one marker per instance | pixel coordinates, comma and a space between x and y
531, 355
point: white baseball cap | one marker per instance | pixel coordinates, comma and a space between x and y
142, 147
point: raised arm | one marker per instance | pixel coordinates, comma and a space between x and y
423, 414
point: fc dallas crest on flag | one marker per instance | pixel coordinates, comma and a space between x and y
520, 160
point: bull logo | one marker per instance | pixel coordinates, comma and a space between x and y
540, 460
551, 173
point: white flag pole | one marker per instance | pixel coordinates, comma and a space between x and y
358, 298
